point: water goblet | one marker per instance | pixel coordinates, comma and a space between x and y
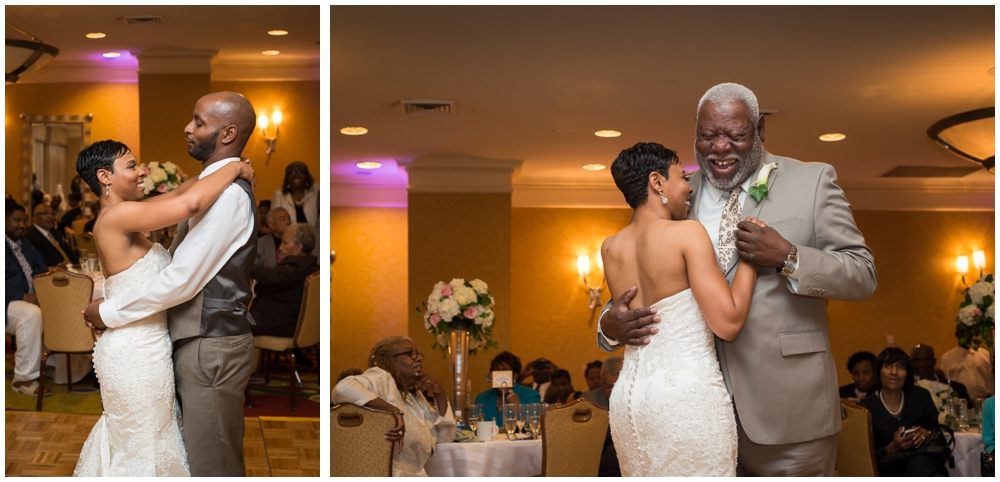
535, 418
475, 415
510, 419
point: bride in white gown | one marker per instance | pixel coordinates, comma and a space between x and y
670, 412
139, 433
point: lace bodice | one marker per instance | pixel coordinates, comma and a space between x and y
670, 412
146, 267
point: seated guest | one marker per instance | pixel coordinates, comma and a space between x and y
897, 405
924, 363
268, 254
348, 372
969, 366
491, 399
394, 382
862, 368
540, 372
49, 241
592, 374
278, 291
609, 375
263, 208
73, 211
95, 208
24, 318
562, 390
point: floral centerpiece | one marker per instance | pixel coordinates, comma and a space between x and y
460, 305
976, 313
942, 394
160, 178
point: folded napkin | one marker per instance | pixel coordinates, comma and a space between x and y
463, 436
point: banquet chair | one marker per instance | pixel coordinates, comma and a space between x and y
61, 297
856, 442
572, 439
86, 241
358, 447
306, 335
78, 224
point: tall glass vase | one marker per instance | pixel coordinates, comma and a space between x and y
458, 362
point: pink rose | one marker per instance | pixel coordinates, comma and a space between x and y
145, 171
161, 188
446, 291
435, 319
471, 312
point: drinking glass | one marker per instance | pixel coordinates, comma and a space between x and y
535, 418
510, 418
961, 412
977, 412
475, 415
522, 416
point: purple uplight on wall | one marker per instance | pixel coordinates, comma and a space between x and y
123, 59
389, 171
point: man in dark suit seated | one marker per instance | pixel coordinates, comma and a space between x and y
924, 363
23, 317
601, 395
49, 241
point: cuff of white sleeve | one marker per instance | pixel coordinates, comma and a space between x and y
109, 315
608, 340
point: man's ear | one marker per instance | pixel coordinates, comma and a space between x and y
228, 134
760, 128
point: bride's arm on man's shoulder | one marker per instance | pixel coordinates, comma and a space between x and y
725, 307
147, 216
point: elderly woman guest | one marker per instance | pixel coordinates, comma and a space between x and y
395, 382
299, 196
862, 368
491, 399
897, 405
278, 298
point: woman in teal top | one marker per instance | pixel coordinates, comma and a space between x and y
989, 424
490, 399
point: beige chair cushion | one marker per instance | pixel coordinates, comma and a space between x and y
61, 297
856, 443
275, 343
307, 331
358, 447
86, 241
572, 439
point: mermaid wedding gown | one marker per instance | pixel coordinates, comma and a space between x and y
138, 434
670, 412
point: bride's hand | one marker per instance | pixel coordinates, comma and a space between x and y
246, 171
756, 221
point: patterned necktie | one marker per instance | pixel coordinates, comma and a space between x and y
727, 228
24, 264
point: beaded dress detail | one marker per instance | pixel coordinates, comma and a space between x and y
139, 434
670, 412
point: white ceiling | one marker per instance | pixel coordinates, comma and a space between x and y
534, 83
238, 33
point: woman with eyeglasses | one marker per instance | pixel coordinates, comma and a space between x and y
903, 416
299, 195
395, 382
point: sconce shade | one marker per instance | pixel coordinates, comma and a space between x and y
583, 265
25, 56
979, 259
962, 266
262, 121
276, 116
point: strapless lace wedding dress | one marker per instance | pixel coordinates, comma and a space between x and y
138, 435
670, 412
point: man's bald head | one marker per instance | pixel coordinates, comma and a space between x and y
233, 109
922, 356
220, 127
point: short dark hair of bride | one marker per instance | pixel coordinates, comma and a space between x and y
97, 156
631, 169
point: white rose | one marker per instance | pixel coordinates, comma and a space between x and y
170, 167
966, 314
979, 290
479, 285
147, 185
449, 309
427, 323
457, 282
436, 292
487, 318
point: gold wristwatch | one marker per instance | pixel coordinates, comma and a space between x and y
791, 262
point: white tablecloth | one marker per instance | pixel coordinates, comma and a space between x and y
486, 459
968, 446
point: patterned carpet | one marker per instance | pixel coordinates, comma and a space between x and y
266, 400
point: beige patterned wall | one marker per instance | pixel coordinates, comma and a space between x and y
369, 282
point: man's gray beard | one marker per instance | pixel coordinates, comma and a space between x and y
748, 163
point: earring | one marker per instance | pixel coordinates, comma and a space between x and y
107, 189
662, 197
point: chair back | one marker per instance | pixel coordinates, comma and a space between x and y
856, 442
79, 223
358, 447
307, 329
61, 297
86, 241
573, 438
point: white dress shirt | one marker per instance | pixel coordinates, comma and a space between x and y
213, 237
971, 368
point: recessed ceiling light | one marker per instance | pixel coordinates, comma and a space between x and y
277, 32
594, 167
354, 131
607, 133
96, 35
369, 165
112, 55
832, 137
270, 52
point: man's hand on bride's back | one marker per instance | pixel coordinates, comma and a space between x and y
246, 172
92, 316
630, 327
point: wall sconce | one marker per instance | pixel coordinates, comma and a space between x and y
583, 267
262, 122
978, 260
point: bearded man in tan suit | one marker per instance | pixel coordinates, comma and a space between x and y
779, 371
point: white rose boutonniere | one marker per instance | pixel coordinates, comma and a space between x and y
759, 188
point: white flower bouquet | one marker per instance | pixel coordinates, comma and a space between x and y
160, 178
460, 305
977, 313
941, 394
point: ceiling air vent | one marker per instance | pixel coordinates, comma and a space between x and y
931, 171
136, 19
428, 107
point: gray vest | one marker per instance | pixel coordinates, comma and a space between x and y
220, 309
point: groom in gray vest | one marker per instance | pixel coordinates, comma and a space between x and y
779, 370
206, 289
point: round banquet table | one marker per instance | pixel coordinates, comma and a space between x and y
968, 446
522, 458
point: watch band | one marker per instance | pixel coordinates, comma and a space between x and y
791, 262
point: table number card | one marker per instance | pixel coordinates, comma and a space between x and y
503, 378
